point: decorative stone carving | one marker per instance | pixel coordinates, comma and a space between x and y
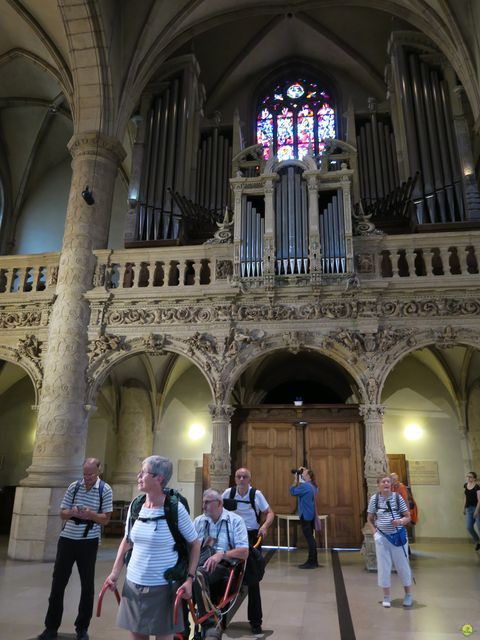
155, 344
30, 347
365, 262
220, 455
294, 341
224, 235
25, 318
447, 338
104, 344
201, 342
223, 269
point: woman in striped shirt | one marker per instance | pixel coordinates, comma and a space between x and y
388, 514
146, 607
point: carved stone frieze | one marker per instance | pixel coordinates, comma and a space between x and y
22, 318
347, 308
374, 343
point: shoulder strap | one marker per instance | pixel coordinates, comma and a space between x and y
252, 493
233, 491
75, 490
135, 507
170, 508
398, 502
101, 487
376, 501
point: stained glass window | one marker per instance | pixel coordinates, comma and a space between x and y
294, 119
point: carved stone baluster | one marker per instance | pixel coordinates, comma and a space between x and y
462, 257
220, 454
445, 258
395, 257
410, 258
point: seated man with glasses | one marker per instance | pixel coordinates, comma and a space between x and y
224, 537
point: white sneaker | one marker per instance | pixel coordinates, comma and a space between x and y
386, 603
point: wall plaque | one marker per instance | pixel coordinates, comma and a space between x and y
423, 472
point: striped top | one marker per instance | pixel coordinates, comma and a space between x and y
153, 551
245, 509
229, 531
90, 499
383, 516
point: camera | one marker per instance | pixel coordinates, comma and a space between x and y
297, 472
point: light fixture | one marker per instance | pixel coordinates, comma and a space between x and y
413, 431
298, 402
196, 431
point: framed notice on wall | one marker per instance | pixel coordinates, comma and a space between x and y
423, 472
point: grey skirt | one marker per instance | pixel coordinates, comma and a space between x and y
149, 610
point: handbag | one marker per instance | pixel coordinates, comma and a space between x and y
398, 539
255, 567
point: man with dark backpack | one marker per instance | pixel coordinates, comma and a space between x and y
86, 506
250, 503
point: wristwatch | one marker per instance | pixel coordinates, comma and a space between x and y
192, 576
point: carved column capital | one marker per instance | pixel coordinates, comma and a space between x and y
94, 143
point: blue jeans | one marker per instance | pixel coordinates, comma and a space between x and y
470, 521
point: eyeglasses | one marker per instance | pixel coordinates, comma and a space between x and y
242, 475
142, 474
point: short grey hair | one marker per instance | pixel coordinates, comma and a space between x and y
160, 466
212, 494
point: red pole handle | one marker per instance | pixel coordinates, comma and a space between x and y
178, 598
102, 593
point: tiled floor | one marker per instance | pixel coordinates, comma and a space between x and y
297, 604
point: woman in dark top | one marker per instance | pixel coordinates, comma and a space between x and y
472, 507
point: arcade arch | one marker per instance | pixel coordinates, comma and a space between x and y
437, 389
17, 434
150, 403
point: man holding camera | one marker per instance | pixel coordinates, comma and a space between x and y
251, 506
86, 506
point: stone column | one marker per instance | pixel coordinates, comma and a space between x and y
220, 453
62, 417
134, 440
375, 464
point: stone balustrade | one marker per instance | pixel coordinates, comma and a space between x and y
413, 257
416, 256
29, 273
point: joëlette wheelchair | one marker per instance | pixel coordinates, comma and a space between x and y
219, 610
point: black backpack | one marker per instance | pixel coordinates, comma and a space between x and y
231, 504
170, 506
396, 498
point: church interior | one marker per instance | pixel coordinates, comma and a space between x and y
244, 234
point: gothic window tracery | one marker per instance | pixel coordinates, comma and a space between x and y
295, 118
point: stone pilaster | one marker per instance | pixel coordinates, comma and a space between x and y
220, 453
375, 464
62, 415
134, 441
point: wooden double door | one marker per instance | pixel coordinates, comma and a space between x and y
273, 440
